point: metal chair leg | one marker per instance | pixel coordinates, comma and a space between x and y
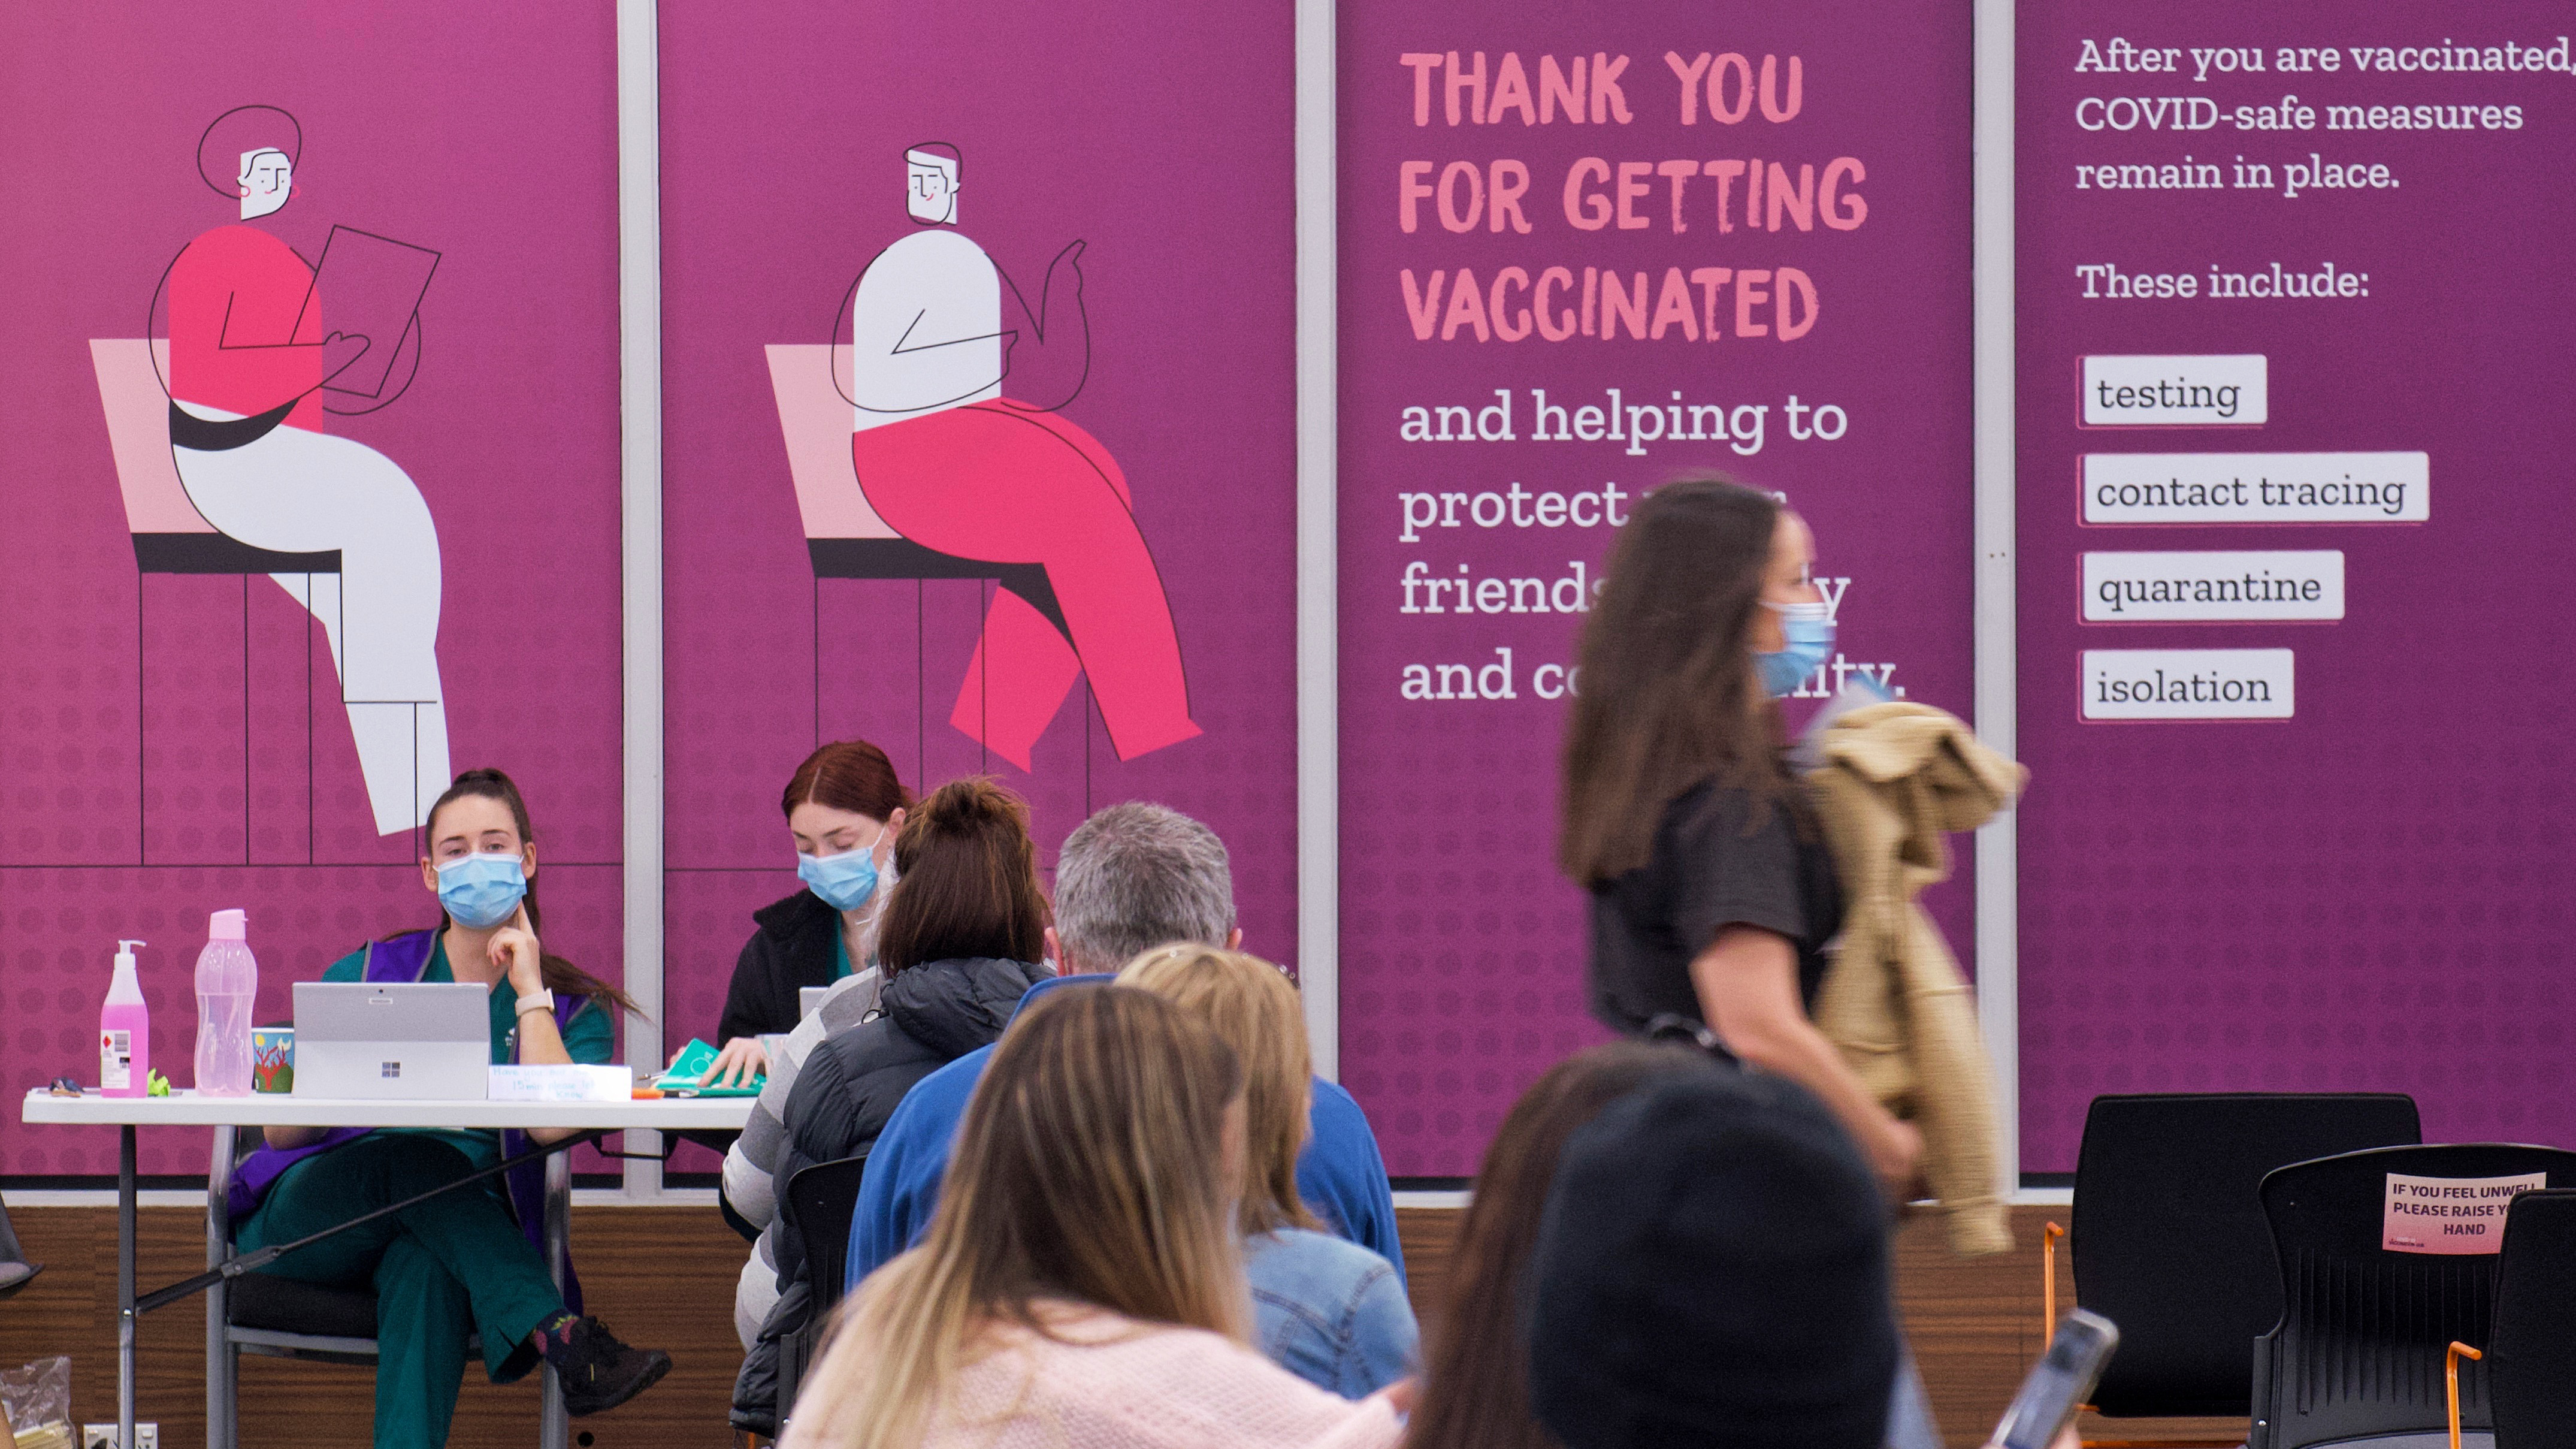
2451, 1384
555, 1428
2048, 1237
223, 1360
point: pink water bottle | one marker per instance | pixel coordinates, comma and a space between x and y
227, 982
124, 1031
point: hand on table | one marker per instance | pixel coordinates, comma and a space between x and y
741, 1060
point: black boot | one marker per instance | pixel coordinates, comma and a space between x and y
599, 1372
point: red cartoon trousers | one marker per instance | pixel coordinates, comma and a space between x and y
1002, 483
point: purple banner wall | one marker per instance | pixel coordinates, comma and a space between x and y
2366, 893
804, 607
1827, 320
174, 734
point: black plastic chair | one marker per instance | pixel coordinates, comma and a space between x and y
281, 1317
821, 1200
2170, 1241
2364, 1332
2531, 1353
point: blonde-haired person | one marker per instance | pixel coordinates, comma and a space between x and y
1080, 1286
1327, 1310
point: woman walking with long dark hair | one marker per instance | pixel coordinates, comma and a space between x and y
1713, 891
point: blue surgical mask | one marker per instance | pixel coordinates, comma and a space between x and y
845, 881
481, 891
1809, 630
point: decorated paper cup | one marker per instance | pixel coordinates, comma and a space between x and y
272, 1059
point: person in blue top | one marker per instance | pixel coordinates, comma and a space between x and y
1133, 877
1327, 1310
464, 1262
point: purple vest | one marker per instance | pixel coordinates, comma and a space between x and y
401, 960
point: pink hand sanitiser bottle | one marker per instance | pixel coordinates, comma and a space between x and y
227, 982
124, 1031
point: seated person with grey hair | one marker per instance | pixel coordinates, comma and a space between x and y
1132, 877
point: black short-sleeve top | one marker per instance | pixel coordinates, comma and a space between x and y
1720, 859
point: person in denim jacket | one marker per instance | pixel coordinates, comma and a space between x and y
1325, 1309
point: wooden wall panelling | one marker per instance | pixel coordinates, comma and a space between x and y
1974, 1323
664, 1277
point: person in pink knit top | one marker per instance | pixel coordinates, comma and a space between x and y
1080, 1286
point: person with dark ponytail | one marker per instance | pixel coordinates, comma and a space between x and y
961, 942
468, 1261
844, 808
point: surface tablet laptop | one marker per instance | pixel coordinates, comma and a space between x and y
431, 1040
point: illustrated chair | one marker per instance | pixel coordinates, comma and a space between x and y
2170, 1240
278, 1317
821, 1200
844, 536
2365, 1332
2530, 1351
170, 535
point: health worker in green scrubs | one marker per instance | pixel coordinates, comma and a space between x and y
464, 1262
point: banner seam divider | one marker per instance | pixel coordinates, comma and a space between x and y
1998, 895
639, 386
1318, 542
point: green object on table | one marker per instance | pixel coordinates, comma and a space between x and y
156, 1085
691, 1064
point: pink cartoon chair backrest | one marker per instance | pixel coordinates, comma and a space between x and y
816, 420
138, 433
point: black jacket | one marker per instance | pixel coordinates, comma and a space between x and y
791, 949
931, 1015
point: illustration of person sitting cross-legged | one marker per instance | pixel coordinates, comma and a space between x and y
249, 359
949, 462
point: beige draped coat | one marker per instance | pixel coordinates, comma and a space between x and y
1891, 781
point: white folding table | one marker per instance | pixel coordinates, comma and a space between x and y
187, 1109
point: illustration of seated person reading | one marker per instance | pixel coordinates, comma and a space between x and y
957, 480
249, 369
